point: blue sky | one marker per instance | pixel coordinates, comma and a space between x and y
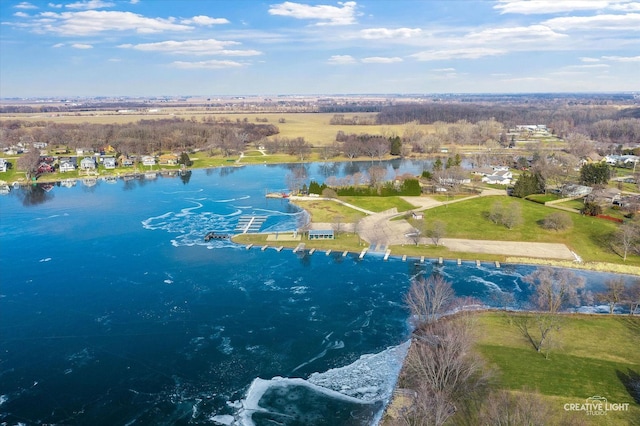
245, 47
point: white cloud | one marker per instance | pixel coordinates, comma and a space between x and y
626, 22
205, 20
55, 5
90, 4
586, 67
381, 60
443, 70
327, 15
134, 1
114, 60
97, 21
212, 64
25, 5
622, 58
21, 15
531, 33
626, 7
341, 60
587, 59
467, 53
380, 33
192, 47
532, 7
81, 46
57, 45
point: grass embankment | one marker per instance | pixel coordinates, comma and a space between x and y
591, 357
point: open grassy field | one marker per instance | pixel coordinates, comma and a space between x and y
323, 211
592, 355
379, 204
589, 236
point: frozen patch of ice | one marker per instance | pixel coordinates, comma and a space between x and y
3, 399
167, 281
223, 419
225, 347
46, 259
359, 391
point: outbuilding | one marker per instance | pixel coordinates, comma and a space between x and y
321, 234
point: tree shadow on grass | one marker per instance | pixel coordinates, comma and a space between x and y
631, 381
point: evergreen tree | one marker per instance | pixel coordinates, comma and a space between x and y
595, 174
396, 145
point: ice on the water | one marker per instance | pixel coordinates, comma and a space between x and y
358, 391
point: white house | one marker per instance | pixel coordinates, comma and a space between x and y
109, 162
3, 165
88, 163
501, 177
148, 160
67, 166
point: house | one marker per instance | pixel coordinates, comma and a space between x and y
109, 162
67, 166
3, 165
148, 160
497, 179
87, 163
321, 234
168, 159
126, 161
573, 190
40, 145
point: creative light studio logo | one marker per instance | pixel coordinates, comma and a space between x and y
596, 406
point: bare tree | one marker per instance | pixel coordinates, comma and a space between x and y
631, 296
337, 224
418, 231
613, 293
436, 231
504, 408
377, 174
627, 236
554, 289
537, 328
558, 221
29, 162
443, 369
428, 298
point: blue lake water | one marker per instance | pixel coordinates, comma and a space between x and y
114, 311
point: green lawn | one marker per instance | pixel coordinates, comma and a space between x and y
589, 357
589, 236
379, 204
327, 211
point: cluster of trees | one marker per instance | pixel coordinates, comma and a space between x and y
341, 120
357, 145
506, 214
143, 137
622, 131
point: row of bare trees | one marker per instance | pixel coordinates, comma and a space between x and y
143, 137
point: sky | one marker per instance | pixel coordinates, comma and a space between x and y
253, 47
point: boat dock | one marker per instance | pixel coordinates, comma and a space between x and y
250, 224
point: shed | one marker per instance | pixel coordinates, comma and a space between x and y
321, 234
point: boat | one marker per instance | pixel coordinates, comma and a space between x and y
214, 236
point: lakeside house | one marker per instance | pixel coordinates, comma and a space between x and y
148, 160
109, 162
168, 159
3, 165
88, 163
321, 234
67, 166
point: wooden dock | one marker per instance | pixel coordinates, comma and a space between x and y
249, 246
264, 247
345, 253
404, 257
440, 261
459, 262
328, 252
362, 253
298, 248
312, 251
279, 249
421, 259
478, 263
497, 264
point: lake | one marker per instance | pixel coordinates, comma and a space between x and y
115, 311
